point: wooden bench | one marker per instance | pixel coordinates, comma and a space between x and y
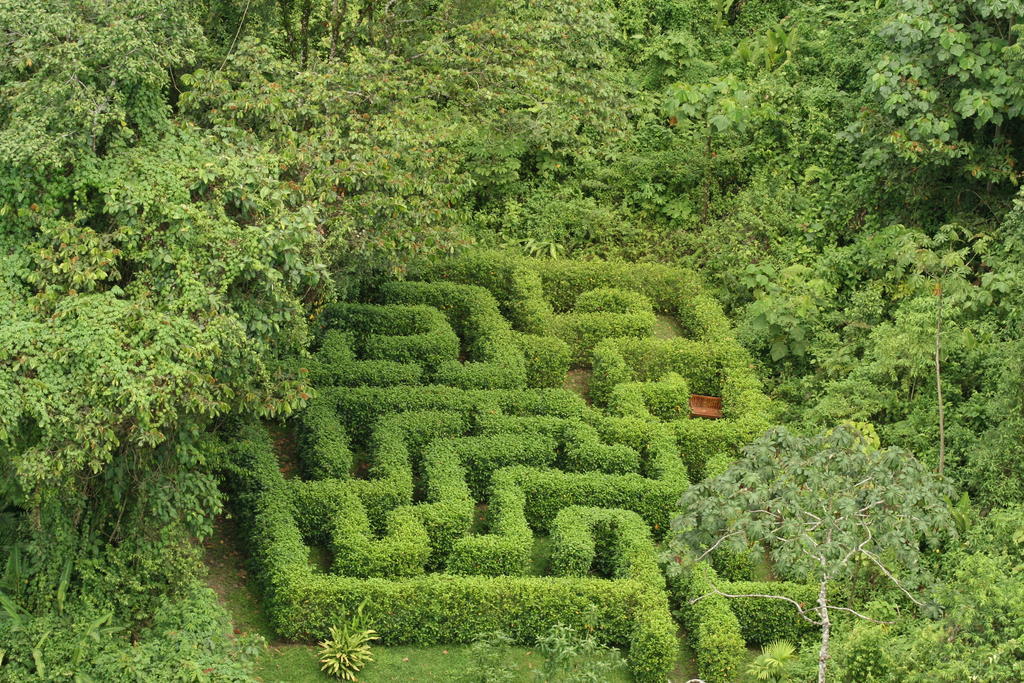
705, 406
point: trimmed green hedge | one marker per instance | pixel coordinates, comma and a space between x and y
509, 277
667, 399
548, 491
360, 407
547, 359
506, 550
303, 602
624, 377
494, 358
600, 314
451, 388
618, 541
763, 620
582, 451
647, 360
335, 364
483, 455
513, 279
323, 442
711, 625
402, 334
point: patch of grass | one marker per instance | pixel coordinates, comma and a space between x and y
229, 579
320, 558
541, 558
763, 569
479, 519
361, 462
446, 663
667, 327
686, 664
578, 381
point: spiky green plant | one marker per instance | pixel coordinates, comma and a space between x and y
774, 662
346, 652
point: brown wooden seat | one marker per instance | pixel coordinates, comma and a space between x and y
705, 406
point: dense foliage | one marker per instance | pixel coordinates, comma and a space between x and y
198, 199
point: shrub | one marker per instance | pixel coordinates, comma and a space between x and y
402, 334
346, 652
507, 549
323, 442
583, 331
667, 399
583, 451
619, 539
611, 300
711, 624
335, 364
438, 607
495, 359
575, 657
765, 619
547, 359
774, 663
492, 426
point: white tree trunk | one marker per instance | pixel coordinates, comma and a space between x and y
826, 628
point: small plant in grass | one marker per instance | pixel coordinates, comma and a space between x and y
490, 653
775, 662
347, 651
573, 657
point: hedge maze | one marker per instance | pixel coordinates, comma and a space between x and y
441, 449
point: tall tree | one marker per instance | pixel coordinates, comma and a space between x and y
822, 507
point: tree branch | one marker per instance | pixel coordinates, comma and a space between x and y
799, 608
717, 543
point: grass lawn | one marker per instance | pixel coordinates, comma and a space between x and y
402, 663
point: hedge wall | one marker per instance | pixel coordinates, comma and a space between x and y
432, 608
710, 623
618, 541
449, 385
763, 620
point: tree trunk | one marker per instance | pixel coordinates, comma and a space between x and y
826, 629
938, 379
335, 25
708, 174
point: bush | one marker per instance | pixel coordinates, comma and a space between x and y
763, 620
711, 624
610, 300
185, 638
495, 360
347, 650
618, 540
335, 364
547, 360
402, 334
439, 607
455, 406
323, 442
507, 549
583, 451
667, 399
